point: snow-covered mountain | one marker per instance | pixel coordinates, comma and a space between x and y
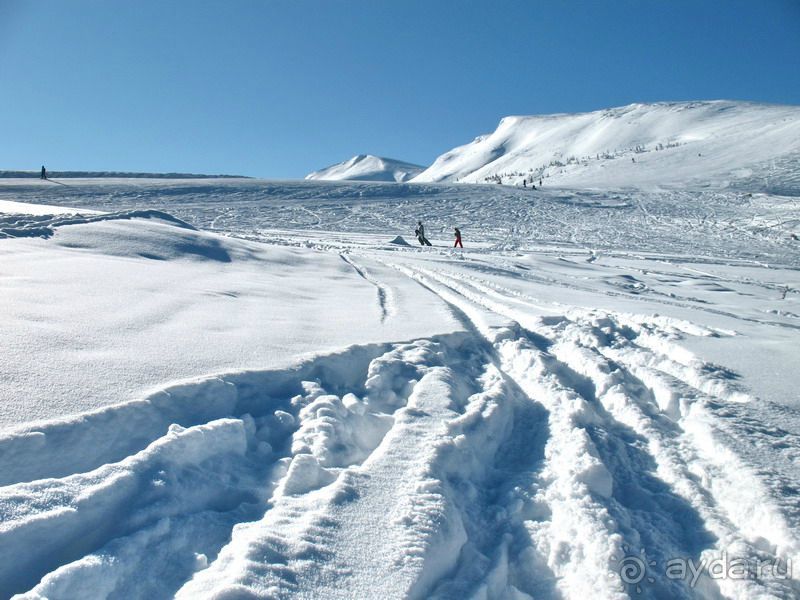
366, 167
721, 142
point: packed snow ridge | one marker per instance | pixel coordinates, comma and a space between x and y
366, 167
730, 143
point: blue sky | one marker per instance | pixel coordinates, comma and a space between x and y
280, 88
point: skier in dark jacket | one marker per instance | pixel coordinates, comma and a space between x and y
458, 238
421, 234
44, 173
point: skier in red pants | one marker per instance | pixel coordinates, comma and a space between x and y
458, 238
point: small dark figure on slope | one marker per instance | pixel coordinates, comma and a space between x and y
420, 232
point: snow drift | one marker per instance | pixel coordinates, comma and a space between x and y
147, 299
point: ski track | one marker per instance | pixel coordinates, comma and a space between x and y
677, 431
384, 292
593, 439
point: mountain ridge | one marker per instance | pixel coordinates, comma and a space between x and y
722, 141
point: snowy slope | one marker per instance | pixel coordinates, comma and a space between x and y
161, 301
720, 143
262, 392
366, 167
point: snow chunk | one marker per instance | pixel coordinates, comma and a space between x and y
306, 474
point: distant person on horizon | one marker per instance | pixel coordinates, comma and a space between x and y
44, 173
458, 238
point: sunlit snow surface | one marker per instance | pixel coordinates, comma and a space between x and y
261, 391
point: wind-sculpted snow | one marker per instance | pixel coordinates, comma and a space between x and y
506, 461
43, 225
150, 301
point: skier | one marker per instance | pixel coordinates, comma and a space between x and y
44, 173
421, 234
458, 238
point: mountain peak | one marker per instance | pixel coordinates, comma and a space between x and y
366, 167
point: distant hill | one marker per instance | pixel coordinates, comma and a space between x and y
716, 143
110, 174
366, 167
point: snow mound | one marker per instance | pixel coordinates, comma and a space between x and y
42, 221
400, 241
366, 167
166, 238
111, 234
752, 145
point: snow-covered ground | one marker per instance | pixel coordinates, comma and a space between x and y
366, 167
242, 388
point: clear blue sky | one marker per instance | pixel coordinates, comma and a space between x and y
280, 88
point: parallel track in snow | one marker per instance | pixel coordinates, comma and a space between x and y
541, 453
650, 415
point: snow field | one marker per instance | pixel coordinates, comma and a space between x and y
509, 421
432, 480
150, 301
706, 223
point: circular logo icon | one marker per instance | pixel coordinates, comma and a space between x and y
632, 570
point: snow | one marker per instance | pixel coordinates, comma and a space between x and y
14, 212
244, 388
160, 301
366, 167
737, 144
